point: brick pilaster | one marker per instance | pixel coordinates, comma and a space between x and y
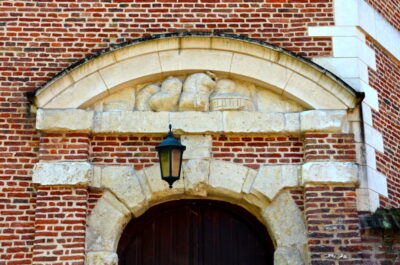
61, 211
333, 225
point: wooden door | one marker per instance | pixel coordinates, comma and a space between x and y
195, 232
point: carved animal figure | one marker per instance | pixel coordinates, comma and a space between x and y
167, 98
143, 97
196, 91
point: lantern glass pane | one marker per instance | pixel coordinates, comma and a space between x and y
164, 161
176, 159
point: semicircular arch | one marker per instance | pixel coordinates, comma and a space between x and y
146, 60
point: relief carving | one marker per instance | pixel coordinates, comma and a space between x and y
167, 98
228, 97
196, 92
144, 95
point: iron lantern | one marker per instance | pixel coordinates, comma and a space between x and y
170, 152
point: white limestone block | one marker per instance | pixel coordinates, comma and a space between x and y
311, 94
131, 122
124, 184
82, 92
268, 101
55, 87
377, 182
227, 177
64, 120
101, 258
253, 122
272, 179
131, 69
288, 256
195, 60
285, 222
92, 66
195, 174
197, 146
62, 173
292, 122
373, 138
259, 69
367, 200
324, 120
346, 12
100, 236
330, 172
196, 122
159, 189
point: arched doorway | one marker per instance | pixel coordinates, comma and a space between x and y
195, 232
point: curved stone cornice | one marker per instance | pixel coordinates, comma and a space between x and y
145, 60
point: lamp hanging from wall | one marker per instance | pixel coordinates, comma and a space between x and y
170, 152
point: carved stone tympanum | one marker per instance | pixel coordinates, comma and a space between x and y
144, 95
226, 97
167, 98
196, 91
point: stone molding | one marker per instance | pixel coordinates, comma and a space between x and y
191, 122
62, 173
264, 65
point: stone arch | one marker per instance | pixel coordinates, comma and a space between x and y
128, 194
163, 55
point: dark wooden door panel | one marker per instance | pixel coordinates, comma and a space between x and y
195, 232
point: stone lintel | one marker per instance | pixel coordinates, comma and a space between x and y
329, 173
64, 120
191, 122
62, 173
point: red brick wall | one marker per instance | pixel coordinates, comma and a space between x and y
386, 80
64, 147
329, 147
60, 224
333, 225
381, 247
389, 9
138, 151
255, 151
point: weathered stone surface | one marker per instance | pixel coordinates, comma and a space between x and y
100, 235
64, 120
255, 122
167, 98
292, 122
144, 95
196, 122
329, 172
285, 222
272, 179
131, 122
159, 188
195, 174
101, 258
268, 101
124, 184
118, 106
62, 173
197, 146
226, 177
324, 120
227, 97
196, 91
288, 256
